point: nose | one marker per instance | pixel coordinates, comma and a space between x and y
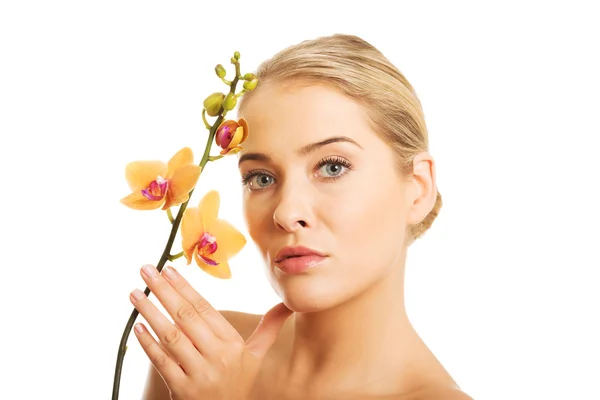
293, 210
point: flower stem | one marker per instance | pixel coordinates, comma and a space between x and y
175, 256
170, 215
206, 124
167, 251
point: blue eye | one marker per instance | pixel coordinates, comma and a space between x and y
335, 168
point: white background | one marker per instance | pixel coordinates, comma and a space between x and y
503, 288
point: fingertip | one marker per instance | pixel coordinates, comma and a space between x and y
139, 328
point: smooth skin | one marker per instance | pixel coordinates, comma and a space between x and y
349, 335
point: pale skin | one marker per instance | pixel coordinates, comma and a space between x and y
342, 331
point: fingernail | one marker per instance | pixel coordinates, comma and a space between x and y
170, 273
139, 328
138, 294
149, 271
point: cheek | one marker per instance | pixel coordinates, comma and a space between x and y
256, 217
369, 222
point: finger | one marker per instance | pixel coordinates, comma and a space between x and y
182, 311
171, 337
168, 369
266, 332
214, 319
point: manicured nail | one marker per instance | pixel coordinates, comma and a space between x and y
139, 328
138, 294
149, 270
170, 273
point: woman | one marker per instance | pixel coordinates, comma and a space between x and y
339, 182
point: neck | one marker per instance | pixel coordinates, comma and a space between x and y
366, 342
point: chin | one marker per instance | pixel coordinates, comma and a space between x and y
309, 294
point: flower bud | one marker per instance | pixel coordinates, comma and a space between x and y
236, 55
213, 103
250, 85
249, 76
220, 70
230, 102
234, 60
230, 134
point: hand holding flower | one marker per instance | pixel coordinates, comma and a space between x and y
202, 356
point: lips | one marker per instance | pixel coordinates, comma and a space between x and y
297, 251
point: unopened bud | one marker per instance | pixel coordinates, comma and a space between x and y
250, 85
230, 102
234, 60
236, 55
249, 76
220, 70
213, 103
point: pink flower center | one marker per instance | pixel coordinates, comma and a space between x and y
225, 135
157, 189
206, 247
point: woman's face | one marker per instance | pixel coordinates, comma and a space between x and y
344, 199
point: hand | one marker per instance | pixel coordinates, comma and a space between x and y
202, 356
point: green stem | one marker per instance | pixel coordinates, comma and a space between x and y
167, 251
170, 215
175, 256
214, 158
225, 81
206, 124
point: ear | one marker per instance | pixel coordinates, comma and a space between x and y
422, 198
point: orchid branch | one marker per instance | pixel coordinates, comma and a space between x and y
215, 105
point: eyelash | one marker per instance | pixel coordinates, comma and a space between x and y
327, 160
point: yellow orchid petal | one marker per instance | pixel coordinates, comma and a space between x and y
237, 137
137, 201
174, 201
229, 240
181, 158
209, 209
244, 124
191, 230
231, 151
139, 174
220, 271
184, 180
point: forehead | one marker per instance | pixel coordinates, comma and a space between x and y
300, 114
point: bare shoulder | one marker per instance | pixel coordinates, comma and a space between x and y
244, 323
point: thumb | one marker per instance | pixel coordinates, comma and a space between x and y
266, 332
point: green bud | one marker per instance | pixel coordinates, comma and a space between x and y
220, 70
236, 55
234, 60
250, 85
249, 76
230, 102
213, 103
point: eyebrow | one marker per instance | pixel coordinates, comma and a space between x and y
304, 151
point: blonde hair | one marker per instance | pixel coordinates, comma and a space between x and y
361, 72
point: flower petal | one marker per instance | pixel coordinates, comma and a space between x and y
137, 201
170, 202
184, 180
244, 124
209, 209
229, 240
191, 230
237, 137
181, 158
139, 174
220, 271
